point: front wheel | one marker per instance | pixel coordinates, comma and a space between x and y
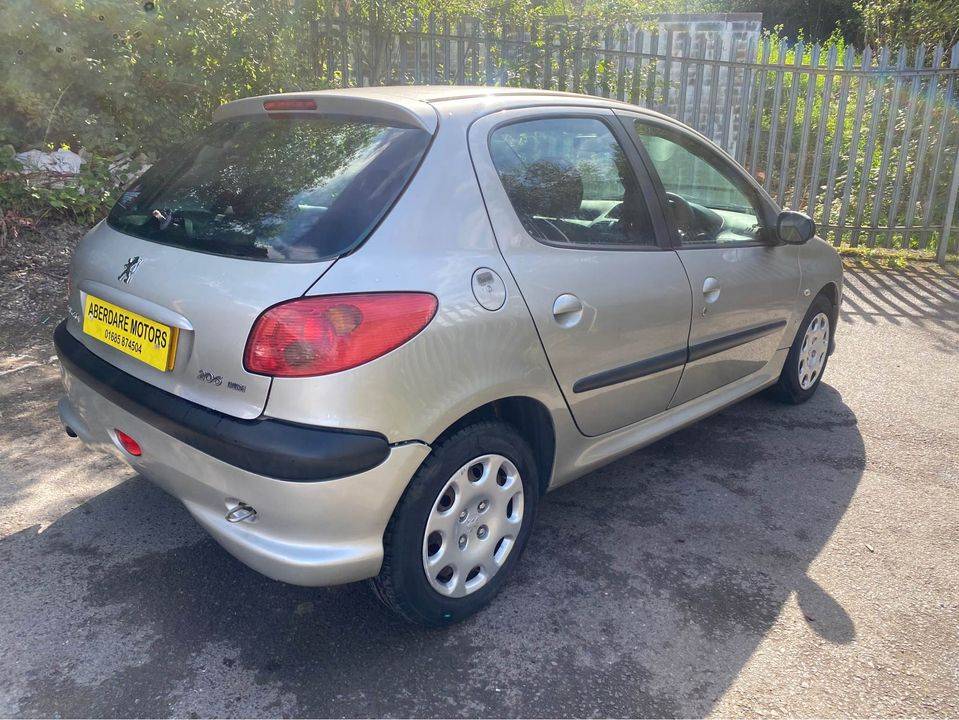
808, 355
461, 526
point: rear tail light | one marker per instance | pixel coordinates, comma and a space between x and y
128, 443
327, 334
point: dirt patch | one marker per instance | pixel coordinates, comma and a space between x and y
33, 292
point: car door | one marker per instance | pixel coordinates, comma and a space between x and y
587, 243
744, 281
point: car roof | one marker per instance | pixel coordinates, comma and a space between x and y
419, 104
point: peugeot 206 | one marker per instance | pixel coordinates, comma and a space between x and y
360, 333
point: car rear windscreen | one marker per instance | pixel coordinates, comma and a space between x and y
286, 189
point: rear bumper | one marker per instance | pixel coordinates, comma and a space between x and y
282, 450
306, 533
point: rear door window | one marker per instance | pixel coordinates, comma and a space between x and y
288, 189
570, 183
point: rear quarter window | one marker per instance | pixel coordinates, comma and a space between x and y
285, 189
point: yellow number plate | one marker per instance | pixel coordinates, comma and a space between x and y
140, 337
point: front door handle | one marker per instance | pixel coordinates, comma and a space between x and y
567, 310
711, 289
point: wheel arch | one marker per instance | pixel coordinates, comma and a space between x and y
830, 291
530, 418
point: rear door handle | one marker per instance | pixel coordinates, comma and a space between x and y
711, 289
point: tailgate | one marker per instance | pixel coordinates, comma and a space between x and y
211, 301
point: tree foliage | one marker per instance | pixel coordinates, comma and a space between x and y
114, 74
909, 22
127, 74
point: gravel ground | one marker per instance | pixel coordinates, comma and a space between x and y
769, 560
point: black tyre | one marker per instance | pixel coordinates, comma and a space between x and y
460, 527
808, 354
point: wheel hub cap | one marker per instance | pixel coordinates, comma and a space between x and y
473, 525
815, 348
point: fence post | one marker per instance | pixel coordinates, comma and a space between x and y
344, 36
714, 87
821, 131
654, 70
950, 209
667, 67
588, 68
775, 109
640, 42
623, 58
760, 101
561, 65
700, 65
838, 136
683, 77
862, 91
547, 55
577, 60
742, 130
460, 53
799, 52
531, 54
328, 42
891, 122
728, 109
940, 146
607, 42
812, 83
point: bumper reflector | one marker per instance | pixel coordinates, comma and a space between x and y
128, 443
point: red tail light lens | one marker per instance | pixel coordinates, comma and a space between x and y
327, 334
128, 443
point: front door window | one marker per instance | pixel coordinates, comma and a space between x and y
708, 203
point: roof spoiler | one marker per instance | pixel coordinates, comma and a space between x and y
391, 109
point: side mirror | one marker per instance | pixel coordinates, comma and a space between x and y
795, 228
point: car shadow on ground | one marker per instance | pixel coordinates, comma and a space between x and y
646, 588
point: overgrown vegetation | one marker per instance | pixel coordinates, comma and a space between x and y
908, 22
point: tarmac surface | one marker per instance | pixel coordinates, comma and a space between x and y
769, 560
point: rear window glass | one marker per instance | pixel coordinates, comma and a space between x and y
290, 189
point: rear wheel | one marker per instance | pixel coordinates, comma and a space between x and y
808, 355
460, 527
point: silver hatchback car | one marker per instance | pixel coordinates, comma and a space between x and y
360, 333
